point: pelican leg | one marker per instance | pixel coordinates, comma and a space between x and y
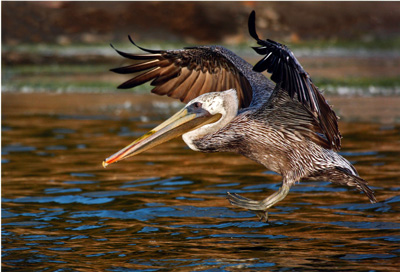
260, 207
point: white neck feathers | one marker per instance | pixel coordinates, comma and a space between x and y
225, 103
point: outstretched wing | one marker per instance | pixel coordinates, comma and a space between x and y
185, 74
287, 71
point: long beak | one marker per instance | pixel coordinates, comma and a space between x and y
180, 123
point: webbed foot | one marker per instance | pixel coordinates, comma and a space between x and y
252, 205
260, 207
243, 202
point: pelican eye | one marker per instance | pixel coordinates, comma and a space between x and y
197, 105
196, 108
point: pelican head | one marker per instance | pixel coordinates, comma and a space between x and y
203, 115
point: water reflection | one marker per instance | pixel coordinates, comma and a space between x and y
167, 210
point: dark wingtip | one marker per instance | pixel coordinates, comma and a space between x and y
135, 56
132, 42
115, 70
144, 49
260, 67
123, 54
252, 25
125, 85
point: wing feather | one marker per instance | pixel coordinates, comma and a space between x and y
170, 85
168, 73
185, 74
208, 83
140, 66
140, 79
196, 87
221, 79
185, 86
290, 75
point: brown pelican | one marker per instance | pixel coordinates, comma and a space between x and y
288, 127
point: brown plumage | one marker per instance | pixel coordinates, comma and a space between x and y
286, 70
186, 74
289, 128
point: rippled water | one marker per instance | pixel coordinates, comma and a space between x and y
166, 209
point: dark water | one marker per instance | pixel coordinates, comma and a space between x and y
166, 209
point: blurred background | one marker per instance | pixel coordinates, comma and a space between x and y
198, 22
64, 46
166, 208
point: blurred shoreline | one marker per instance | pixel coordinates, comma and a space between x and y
351, 48
381, 110
45, 68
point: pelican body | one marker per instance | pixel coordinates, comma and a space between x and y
232, 107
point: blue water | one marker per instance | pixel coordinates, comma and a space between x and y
167, 209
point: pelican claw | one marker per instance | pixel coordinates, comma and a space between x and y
252, 205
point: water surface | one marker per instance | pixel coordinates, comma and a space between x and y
166, 209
